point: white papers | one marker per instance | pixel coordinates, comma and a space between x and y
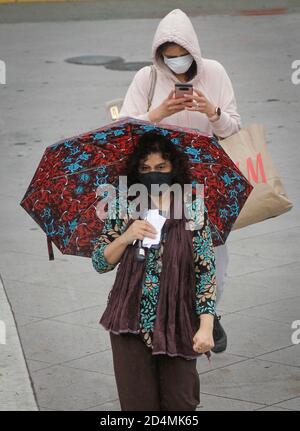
157, 221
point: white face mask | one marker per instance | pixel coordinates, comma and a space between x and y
179, 64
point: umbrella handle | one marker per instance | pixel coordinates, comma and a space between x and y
50, 248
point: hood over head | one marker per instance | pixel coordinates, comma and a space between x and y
176, 27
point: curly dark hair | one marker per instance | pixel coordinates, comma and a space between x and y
191, 72
153, 142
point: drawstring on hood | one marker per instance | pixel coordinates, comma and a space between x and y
176, 27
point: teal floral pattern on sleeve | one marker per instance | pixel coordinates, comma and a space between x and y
205, 268
113, 227
98, 260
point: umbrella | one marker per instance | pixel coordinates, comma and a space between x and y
62, 196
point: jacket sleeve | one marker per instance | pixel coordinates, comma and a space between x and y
136, 99
230, 121
110, 231
205, 268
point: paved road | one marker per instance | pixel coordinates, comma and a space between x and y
132, 9
57, 304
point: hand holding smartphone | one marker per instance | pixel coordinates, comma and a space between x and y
171, 105
181, 89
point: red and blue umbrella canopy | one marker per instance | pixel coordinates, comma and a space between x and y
62, 196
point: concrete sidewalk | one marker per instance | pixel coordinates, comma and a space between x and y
57, 304
16, 392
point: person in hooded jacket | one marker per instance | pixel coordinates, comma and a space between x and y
176, 56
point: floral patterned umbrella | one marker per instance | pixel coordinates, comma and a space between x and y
62, 196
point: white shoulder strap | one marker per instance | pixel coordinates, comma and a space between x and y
113, 107
153, 78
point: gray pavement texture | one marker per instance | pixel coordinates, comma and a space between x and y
16, 392
57, 304
134, 9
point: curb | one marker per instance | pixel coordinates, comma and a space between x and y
16, 391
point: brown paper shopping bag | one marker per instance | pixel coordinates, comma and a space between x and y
247, 148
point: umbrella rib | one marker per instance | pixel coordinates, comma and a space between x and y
116, 162
91, 132
71, 173
216, 230
87, 169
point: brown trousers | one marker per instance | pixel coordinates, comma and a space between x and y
152, 382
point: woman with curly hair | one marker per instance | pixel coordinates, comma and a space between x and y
160, 310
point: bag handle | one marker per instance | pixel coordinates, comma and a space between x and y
218, 137
114, 106
153, 78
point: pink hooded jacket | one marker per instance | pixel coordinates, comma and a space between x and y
211, 78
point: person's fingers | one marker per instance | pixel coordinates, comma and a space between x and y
203, 349
142, 233
199, 97
149, 226
189, 97
178, 104
152, 227
189, 104
148, 231
178, 108
180, 100
198, 92
197, 106
171, 94
193, 108
203, 346
149, 234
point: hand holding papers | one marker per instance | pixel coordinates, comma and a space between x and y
157, 221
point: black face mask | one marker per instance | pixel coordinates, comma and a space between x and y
156, 178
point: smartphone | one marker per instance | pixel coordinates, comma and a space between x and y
181, 89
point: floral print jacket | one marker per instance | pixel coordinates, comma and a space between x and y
204, 260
